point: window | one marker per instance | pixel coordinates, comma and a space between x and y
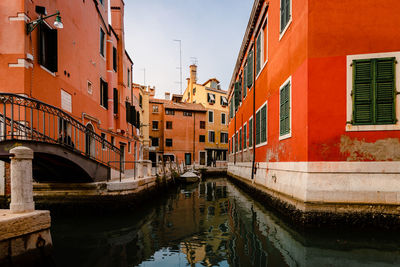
115, 59
237, 94
101, 2
210, 98
223, 118
245, 136
140, 101
211, 136
48, 48
155, 108
103, 139
187, 114
168, 142
374, 91
102, 37
259, 51
132, 116
251, 132
249, 78
154, 141
202, 138
240, 139
129, 78
202, 124
194, 91
285, 110
286, 15
210, 116
169, 112
89, 87
113, 140
155, 125
103, 94
129, 147
261, 125
224, 138
116, 101
236, 142
244, 79
169, 125
223, 101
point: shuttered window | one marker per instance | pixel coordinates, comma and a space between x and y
240, 139
285, 13
251, 132
374, 91
237, 95
245, 136
284, 112
103, 94
258, 127
115, 98
259, 52
102, 40
245, 78
263, 124
250, 69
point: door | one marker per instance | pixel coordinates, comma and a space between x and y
188, 159
202, 158
152, 157
122, 147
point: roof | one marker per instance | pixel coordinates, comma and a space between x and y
185, 106
209, 80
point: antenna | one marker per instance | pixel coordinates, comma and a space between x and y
194, 60
180, 60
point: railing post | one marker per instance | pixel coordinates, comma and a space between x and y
21, 180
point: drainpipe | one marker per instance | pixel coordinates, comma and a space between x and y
254, 111
194, 136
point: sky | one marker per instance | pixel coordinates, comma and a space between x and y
211, 33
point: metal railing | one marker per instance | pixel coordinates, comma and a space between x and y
23, 118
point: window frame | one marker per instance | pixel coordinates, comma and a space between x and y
288, 135
283, 31
102, 43
153, 123
266, 124
166, 142
226, 139
201, 124
245, 136
209, 132
204, 140
250, 144
154, 108
349, 100
223, 115
158, 141
208, 116
168, 123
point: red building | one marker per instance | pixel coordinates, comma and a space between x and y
81, 69
314, 110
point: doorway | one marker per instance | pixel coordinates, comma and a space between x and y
188, 159
202, 158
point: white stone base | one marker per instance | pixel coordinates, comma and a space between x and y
312, 185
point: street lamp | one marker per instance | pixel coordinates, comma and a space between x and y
57, 23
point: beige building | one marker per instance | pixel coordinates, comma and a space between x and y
210, 95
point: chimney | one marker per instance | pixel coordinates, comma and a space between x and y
167, 96
152, 91
193, 73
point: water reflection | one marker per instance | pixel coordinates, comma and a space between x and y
211, 224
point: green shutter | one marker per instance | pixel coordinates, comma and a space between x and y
385, 91
283, 14
250, 69
250, 132
264, 124
258, 127
258, 54
236, 95
243, 87
363, 92
284, 114
245, 136
245, 78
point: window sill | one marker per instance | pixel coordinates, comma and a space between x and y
362, 128
48, 71
262, 68
286, 27
262, 144
286, 136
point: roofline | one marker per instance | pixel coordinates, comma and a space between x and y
246, 39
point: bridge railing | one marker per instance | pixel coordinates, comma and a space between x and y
23, 118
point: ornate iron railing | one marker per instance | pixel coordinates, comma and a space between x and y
23, 118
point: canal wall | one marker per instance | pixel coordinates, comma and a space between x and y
335, 193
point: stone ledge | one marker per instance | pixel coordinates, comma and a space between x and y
14, 225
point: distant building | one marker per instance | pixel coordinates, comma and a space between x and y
215, 101
177, 131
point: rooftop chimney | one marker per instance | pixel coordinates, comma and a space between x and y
193, 73
167, 96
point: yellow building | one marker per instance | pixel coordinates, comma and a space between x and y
215, 101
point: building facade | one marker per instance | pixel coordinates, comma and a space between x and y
215, 101
82, 69
177, 131
313, 102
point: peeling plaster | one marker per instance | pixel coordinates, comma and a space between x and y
384, 149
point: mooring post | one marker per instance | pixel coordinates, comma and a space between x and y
21, 180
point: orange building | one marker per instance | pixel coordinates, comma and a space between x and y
177, 131
83, 68
314, 103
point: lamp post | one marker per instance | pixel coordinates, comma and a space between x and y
33, 24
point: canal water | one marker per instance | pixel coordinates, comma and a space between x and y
212, 223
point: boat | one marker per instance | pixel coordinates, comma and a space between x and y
189, 177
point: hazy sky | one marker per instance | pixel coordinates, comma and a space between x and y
210, 30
